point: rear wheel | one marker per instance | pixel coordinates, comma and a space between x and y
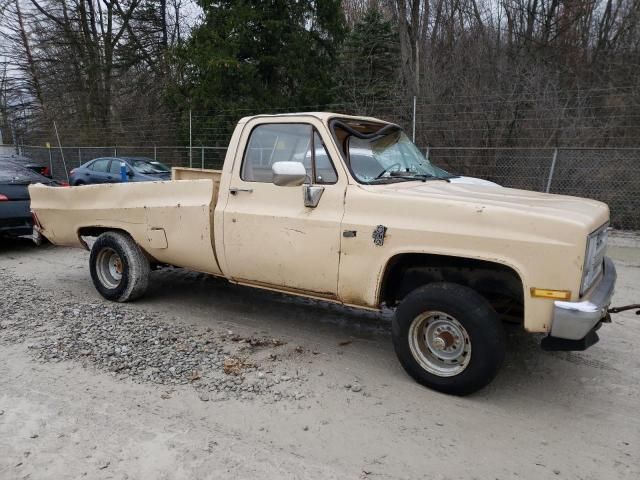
119, 267
448, 338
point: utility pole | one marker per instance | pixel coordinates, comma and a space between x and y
190, 143
417, 88
417, 67
414, 120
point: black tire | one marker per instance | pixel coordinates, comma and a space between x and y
483, 333
133, 267
79, 183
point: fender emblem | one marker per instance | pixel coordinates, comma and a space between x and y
378, 235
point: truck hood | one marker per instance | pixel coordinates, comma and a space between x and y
589, 214
472, 181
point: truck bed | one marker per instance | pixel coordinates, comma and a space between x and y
172, 221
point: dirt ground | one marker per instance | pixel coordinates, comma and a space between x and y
547, 415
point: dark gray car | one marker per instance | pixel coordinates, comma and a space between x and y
108, 170
15, 212
26, 162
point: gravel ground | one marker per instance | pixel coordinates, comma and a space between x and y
130, 344
201, 379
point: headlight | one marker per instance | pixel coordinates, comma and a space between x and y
594, 257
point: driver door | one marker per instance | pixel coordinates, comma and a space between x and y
270, 237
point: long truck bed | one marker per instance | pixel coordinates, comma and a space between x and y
172, 221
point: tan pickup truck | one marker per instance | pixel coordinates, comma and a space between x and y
347, 210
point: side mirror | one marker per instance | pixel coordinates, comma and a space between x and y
288, 174
129, 173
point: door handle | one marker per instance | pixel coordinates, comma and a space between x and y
234, 190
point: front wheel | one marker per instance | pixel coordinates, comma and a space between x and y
448, 338
119, 267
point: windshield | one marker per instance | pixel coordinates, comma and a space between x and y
389, 157
148, 166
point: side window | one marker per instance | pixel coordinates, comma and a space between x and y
115, 167
285, 143
100, 165
272, 143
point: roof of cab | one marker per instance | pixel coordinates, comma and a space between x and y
324, 116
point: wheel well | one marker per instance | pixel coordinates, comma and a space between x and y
96, 232
498, 283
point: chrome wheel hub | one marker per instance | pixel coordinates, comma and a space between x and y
439, 343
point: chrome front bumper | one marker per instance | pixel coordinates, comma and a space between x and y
574, 320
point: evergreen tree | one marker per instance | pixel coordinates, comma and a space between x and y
369, 62
259, 56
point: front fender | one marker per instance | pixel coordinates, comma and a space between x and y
361, 280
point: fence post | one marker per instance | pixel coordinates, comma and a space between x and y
79, 156
115, 151
427, 152
155, 153
414, 120
190, 143
50, 160
552, 169
64, 164
202, 157
14, 138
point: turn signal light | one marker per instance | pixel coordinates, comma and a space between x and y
3, 198
555, 294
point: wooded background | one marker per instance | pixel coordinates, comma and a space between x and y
494, 86
484, 72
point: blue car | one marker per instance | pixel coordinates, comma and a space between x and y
107, 170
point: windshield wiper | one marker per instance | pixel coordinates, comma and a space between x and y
391, 174
420, 176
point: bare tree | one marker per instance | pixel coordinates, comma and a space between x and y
89, 59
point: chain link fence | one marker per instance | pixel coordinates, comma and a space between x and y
609, 175
62, 160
